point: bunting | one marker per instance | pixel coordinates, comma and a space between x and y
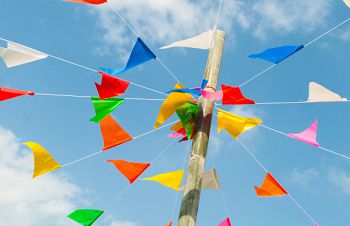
16, 54
233, 96
112, 133
43, 161
179, 133
188, 114
201, 41
7, 93
94, 2
111, 86
211, 180
270, 188
170, 223
193, 91
131, 170
318, 93
104, 107
140, 54
307, 136
85, 217
172, 179
218, 95
176, 127
226, 222
234, 124
347, 2
278, 54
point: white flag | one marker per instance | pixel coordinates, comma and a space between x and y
318, 93
16, 54
210, 180
202, 41
347, 2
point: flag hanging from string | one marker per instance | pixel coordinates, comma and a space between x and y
218, 95
318, 93
278, 54
104, 107
85, 217
347, 2
170, 223
43, 161
172, 179
201, 41
94, 2
188, 114
131, 170
179, 133
211, 180
7, 93
307, 136
233, 96
111, 86
270, 188
226, 222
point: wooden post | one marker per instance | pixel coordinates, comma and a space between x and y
193, 185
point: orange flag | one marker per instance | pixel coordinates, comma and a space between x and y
170, 224
112, 133
270, 188
131, 170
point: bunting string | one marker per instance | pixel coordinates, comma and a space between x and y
218, 15
308, 44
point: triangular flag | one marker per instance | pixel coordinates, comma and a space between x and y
171, 104
112, 133
43, 161
270, 188
193, 91
111, 86
16, 54
318, 93
234, 124
347, 2
188, 114
202, 41
139, 55
170, 223
176, 134
131, 170
307, 136
176, 127
211, 180
278, 54
212, 95
104, 107
85, 217
233, 95
226, 222
172, 179
7, 93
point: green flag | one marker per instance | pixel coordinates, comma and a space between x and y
104, 107
187, 114
85, 217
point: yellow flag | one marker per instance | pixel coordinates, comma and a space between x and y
234, 124
43, 161
171, 104
177, 126
172, 179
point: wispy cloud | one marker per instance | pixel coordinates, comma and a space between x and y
340, 179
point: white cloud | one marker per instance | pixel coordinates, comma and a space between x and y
305, 178
340, 179
123, 223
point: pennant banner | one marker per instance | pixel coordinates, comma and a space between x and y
233, 96
188, 114
170, 223
226, 222
139, 55
234, 124
131, 170
278, 54
43, 161
318, 93
95, 2
112, 133
172, 179
218, 95
270, 188
347, 2
111, 86
7, 93
202, 41
16, 54
176, 134
211, 180
85, 217
192, 91
307, 136
176, 127
104, 107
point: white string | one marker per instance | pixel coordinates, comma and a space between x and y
251, 154
150, 89
311, 42
167, 69
154, 130
218, 15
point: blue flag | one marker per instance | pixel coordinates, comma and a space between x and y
139, 55
278, 54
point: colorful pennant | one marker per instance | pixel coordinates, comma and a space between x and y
85, 217
176, 127
307, 136
278, 54
111, 86
140, 54
179, 133
211, 180
192, 91
270, 188
172, 179
112, 133
188, 114
94, 2
171, 104
16, 54
347, 2
218, 95
170, 223
234, 124
318, 93
202, 41
131, 170
226, 222
43, 161
7, 93
104, 107
233, 96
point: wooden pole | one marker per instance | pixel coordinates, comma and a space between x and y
193, 185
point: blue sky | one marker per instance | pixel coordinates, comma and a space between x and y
94, 36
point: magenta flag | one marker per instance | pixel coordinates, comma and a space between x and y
212, 95
226, 222
307, 136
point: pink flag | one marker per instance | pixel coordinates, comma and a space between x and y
212, 95
308, 136
226, 222
179, 133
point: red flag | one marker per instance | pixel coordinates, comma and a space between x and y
233, 95
131, 170
95, 2
170, 224
113, 134
7, 93
111, 86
